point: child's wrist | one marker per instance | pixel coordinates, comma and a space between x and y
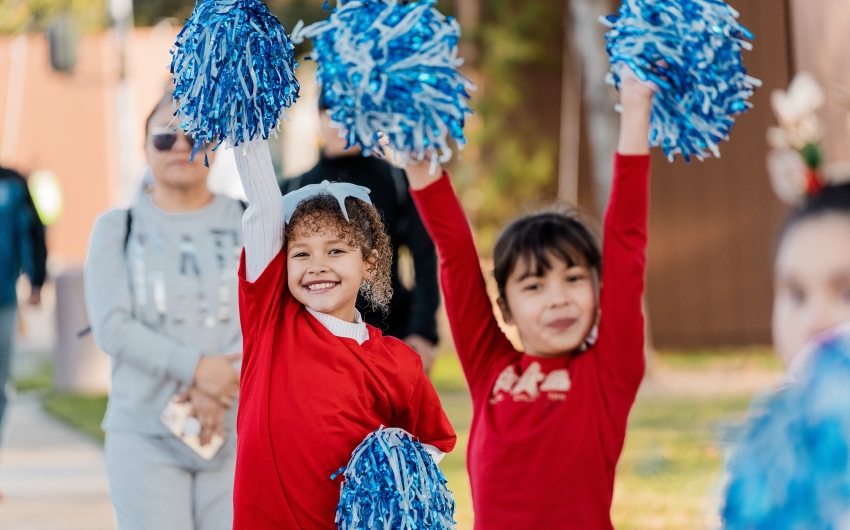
634, 102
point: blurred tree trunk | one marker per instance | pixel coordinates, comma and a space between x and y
585, 56
585, 34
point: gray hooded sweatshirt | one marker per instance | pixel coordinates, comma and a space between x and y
160, 299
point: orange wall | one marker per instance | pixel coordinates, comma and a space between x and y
68, 124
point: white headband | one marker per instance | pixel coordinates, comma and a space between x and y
340, 190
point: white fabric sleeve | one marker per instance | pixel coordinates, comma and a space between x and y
435, 453
262, 223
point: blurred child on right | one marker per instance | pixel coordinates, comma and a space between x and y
812, 274
792, 468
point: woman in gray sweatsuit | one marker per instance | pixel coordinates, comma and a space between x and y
161, 293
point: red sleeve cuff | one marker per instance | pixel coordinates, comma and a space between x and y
638, 163
434, 190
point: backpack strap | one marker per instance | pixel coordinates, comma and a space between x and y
129, 227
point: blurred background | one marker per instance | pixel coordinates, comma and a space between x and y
78, 78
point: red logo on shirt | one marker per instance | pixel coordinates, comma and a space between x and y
531, 384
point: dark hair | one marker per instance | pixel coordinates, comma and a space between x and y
832, 199
363, 230
535, 239
165, 101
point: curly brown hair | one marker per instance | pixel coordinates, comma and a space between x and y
364, 230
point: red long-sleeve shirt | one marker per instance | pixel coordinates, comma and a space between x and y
307, 399
547, 433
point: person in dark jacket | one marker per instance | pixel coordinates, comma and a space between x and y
22, 249
412, 315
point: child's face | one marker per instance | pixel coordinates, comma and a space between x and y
325, 272
812, 290
554, 312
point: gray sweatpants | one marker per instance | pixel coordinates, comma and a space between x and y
157, 482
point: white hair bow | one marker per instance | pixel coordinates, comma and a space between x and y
340, 190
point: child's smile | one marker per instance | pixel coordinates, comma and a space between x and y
319, 286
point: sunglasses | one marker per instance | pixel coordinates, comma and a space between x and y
165, 138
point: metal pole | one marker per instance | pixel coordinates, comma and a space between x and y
121, 12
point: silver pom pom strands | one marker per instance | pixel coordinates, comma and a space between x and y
392, 483
234, 73
691, 49
390, 67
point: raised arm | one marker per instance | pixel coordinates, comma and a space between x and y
621, 331
262, 223
477, 337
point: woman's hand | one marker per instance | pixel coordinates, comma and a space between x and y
216, 377
636, 100
209, 413
424, 348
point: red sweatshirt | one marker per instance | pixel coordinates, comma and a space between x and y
547, 433
307, 400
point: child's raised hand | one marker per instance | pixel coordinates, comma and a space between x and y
419, 173
633, 90
636, 101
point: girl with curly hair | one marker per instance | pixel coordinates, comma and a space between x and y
316, 380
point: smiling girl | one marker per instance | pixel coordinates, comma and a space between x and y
316, 380
549, 422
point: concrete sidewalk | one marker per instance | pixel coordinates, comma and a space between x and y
51, 477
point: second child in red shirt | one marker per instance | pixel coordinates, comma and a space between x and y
315, 380
549, 422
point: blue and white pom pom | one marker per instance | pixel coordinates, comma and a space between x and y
390, 67
392, 483
792, 470
691, 49
234, 72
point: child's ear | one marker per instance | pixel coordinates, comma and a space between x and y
506, 312
371, 265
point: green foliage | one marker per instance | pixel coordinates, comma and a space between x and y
149, 12
517, 163
18, 16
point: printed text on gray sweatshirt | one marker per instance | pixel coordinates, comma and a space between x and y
156, 306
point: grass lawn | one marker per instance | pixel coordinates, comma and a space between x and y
82, 412
669, 475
